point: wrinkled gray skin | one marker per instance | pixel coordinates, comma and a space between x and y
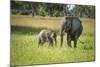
47, 36
73, 27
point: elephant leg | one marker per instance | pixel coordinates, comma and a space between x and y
39, 42
75, 40
69, 40
61, 39
54, 42
49, 42
75, 43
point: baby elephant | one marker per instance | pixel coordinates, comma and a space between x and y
47, 36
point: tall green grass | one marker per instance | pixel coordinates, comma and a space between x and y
24, 45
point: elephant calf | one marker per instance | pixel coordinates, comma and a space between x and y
47, 36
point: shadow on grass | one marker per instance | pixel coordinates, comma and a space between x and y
25, 30
28, 30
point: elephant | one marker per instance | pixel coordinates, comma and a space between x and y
73, 27
47, 36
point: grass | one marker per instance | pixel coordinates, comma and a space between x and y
24, 47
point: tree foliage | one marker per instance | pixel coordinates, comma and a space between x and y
51, 9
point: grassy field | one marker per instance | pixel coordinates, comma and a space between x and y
24, 47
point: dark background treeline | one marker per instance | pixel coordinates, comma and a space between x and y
51, 9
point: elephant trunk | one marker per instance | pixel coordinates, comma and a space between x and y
61, 33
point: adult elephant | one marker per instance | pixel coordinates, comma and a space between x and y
73, 27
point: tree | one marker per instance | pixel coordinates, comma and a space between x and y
51, 9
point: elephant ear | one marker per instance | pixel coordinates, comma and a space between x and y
70, 23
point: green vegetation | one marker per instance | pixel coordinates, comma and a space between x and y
24, 46
51, 9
